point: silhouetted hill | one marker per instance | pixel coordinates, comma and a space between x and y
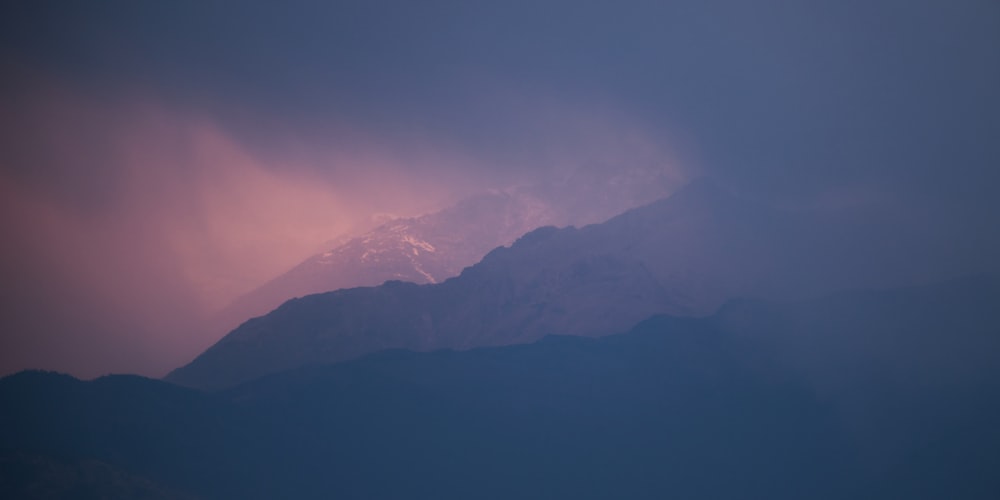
869, 394
683, 255
35, 477
912, 373
128, 427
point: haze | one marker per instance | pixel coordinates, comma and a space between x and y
157, 160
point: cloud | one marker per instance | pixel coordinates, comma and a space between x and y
126, 222
130, 217
135, 178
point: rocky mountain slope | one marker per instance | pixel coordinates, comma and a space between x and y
436, 246
684, 255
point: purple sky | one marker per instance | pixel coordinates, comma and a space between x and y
158, 159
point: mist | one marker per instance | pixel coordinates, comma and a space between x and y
472, 249
158, 161
130, 222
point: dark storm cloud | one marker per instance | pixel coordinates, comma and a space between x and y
366, 106
788, 98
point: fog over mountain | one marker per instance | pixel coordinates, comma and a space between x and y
433, 247
685, 254
131, 223
476, 249
158, 161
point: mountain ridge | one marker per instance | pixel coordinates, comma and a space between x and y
433, 247
664, 409
683, 255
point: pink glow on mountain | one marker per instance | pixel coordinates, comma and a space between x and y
127, 220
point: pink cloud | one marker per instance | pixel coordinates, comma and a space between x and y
127, 220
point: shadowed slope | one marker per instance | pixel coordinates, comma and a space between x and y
683, 255
859, 395
434, 247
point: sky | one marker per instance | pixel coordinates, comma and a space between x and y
159, 158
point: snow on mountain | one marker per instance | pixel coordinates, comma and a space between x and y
684, 255
433, 247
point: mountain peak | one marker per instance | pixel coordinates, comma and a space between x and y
536, 236
685, 255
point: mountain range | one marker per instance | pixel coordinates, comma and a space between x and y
433, 247
684, 255
861, 394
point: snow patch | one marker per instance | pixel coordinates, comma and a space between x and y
418, 244
427, 275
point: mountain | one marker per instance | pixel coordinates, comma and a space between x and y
433, 247
911, 372
683, 255
28, 477
865, 394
